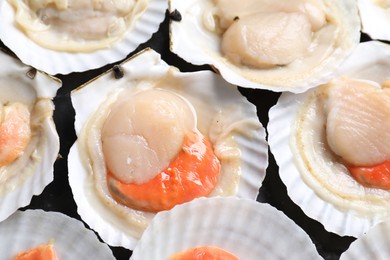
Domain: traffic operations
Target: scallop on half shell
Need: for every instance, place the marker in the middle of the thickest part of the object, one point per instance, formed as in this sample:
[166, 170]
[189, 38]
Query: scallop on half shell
[274, 45]
[318, 138]
[60, 37]
[245, 228]
[28, 137]
[70, 238]
[157, 104]
[375, 17]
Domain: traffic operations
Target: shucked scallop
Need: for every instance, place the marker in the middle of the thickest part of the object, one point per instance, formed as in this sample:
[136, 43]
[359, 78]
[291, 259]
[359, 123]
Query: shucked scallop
[29, 143]
[355, 118]
[76, 26]
[267, 34]
[228, 12]
[60, 37]
[334, 158]
[276, 45]
[357, 126]
[157, 138]
[144, 170]
[242, 43]
[126, 134]
[358, 119]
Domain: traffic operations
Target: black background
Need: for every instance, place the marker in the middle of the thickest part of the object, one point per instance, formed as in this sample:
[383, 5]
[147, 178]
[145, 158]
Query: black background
[57, 196]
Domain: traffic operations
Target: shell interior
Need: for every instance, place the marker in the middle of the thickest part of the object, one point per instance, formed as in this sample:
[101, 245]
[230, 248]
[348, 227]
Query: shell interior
[26, 229]
[211, 97]
[54, 62]
[30, 173]
[306, 72]
[332, 197]
[245, 228]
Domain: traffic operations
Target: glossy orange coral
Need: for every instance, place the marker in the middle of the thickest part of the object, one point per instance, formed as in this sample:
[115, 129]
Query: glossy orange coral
[15, 132]
[203, 253]
[192, 174]
[42, 252]
[377, 176]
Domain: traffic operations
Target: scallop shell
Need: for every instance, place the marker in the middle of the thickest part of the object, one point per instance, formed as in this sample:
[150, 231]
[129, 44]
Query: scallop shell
[375, 18]
[372, 245]
[19, 190]
[27, 229]
[370, 61]
[200, 88]
[245, 228]
[191, 41]
[54, 62]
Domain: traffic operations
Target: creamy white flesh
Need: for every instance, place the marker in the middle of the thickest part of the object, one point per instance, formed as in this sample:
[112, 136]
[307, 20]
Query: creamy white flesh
[268, 33]
[15, 132]
[284, 38]
[358, 121]
[222, 126]
[144, 133]
[318, 123]
[73, 25]
[18, 90]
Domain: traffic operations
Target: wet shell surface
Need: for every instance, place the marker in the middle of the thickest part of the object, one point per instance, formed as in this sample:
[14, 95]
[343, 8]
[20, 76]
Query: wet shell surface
[375, 17]
[372, 245]
[244, 228]
[64, 62]
[325, 191]
[223, 115]
[27, 229]
[29, 173]
[193, 40]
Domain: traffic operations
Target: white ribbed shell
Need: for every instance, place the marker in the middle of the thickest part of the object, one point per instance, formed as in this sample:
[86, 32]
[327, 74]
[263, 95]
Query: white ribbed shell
[193, 42]
[328, 193]
[248, 229]
[208, 93]
[54, 62]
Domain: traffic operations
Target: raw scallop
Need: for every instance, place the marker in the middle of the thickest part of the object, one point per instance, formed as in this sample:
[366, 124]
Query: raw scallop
[29, 140]
[218, 33]
[358, 119]
[317, 179]
[223, 116]
[126, 135]
[54, 62]
[76, 25]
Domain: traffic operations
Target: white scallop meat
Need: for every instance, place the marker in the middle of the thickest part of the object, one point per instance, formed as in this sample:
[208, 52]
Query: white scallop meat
[279, 46]
[316, 177]
[223, 115]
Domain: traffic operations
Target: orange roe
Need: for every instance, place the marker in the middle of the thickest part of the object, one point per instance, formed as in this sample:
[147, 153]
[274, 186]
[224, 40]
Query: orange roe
[377, 176]
[15, 133]
[42, 252]
[203, 253]
[192, 174]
